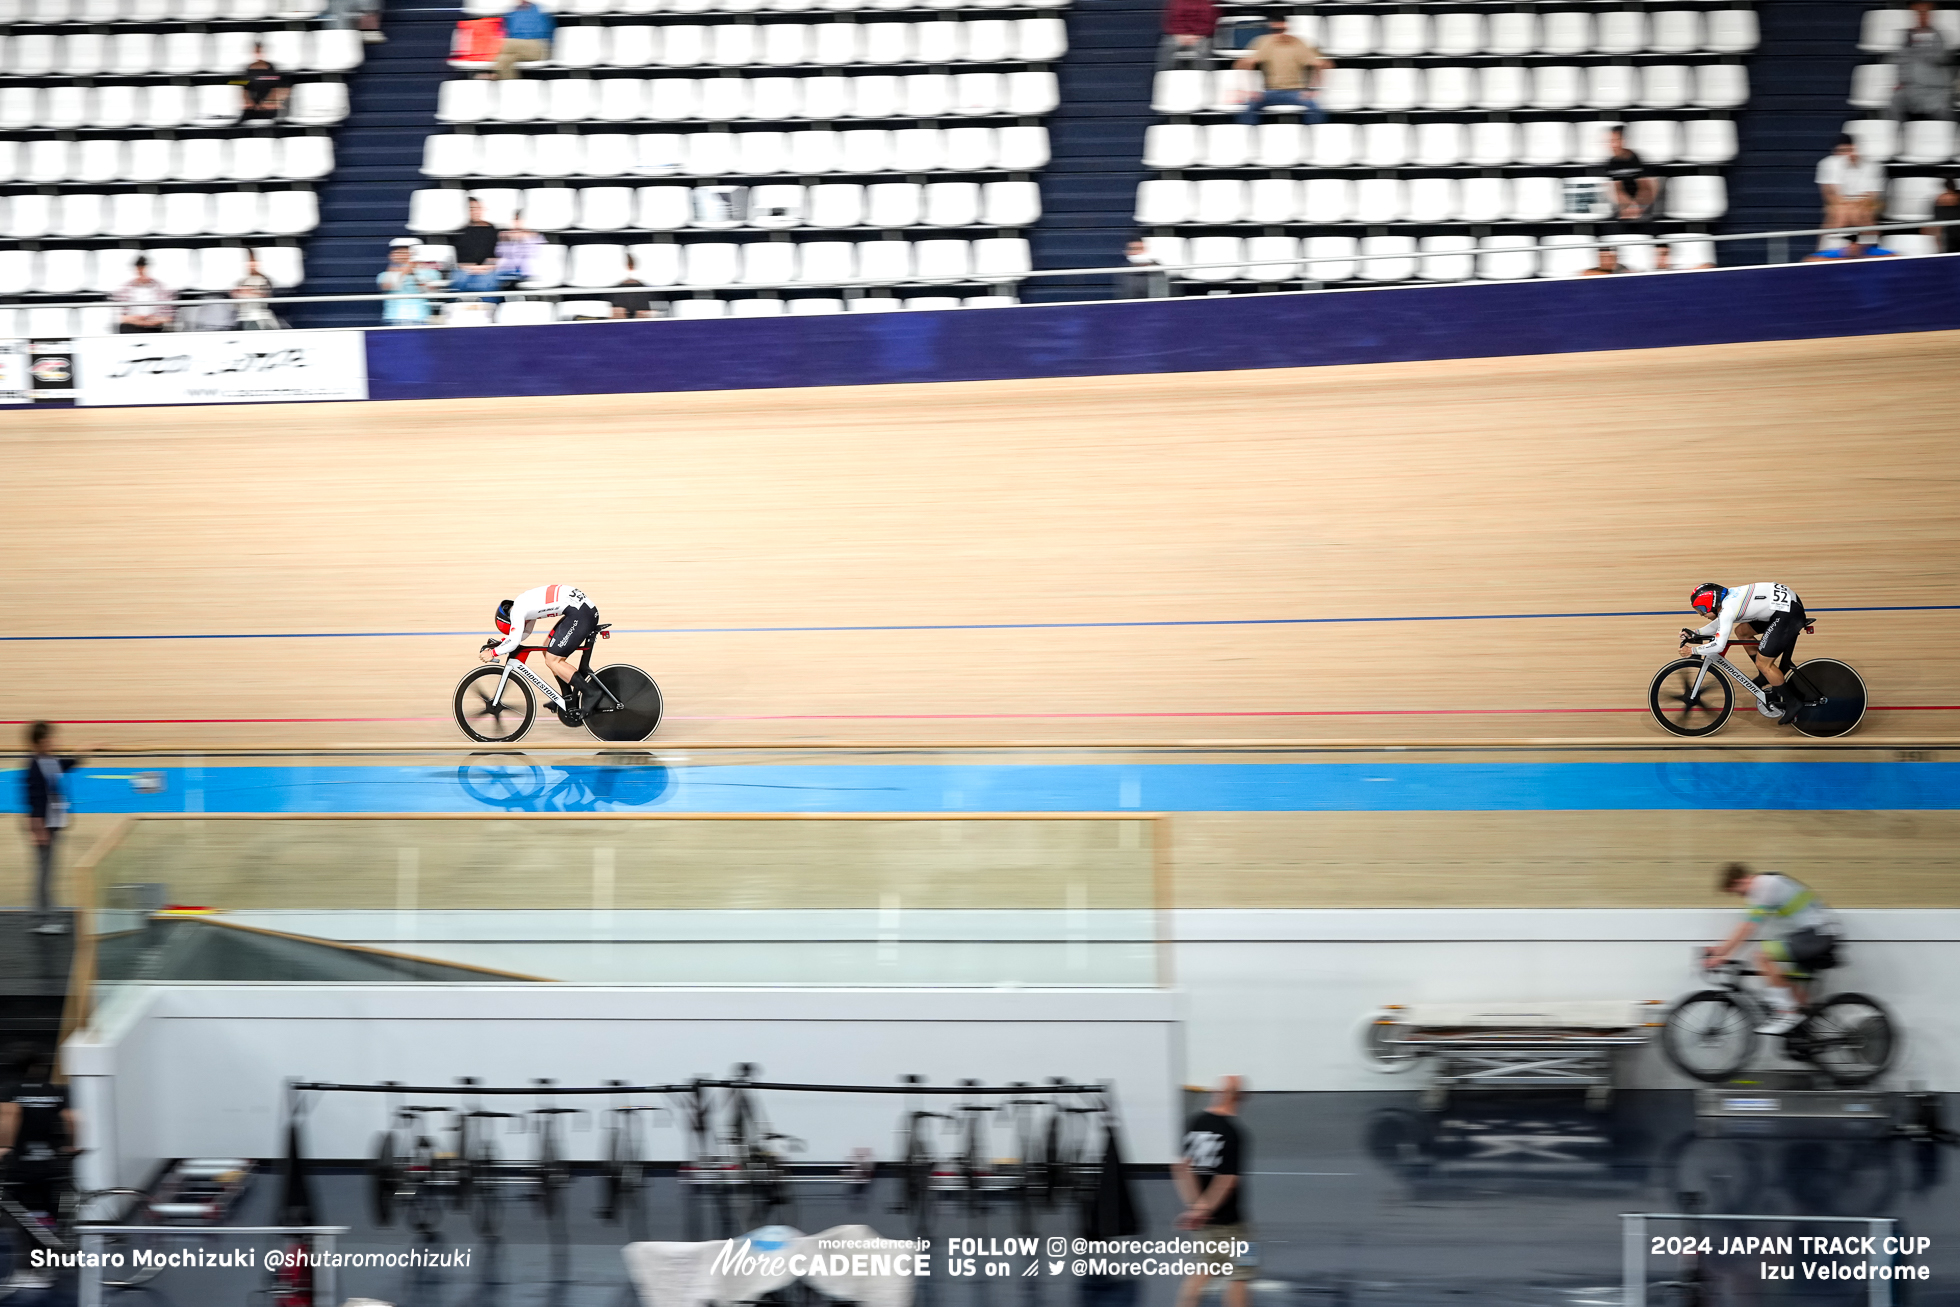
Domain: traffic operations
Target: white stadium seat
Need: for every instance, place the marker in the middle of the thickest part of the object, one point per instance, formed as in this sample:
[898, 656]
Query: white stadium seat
[1547, 143]
[1721, 86]
[895, 205]
[1217, 258]
[1492, 144]
[1731, 31]
[1333, 145]
[1666, 86]
[1171, 145]
[1328, 258]
[1696, 198]
[1556, 87]
[1162, 202]
[291, 213]
[1450, 88]
[1219, 200]
[1485, 199]
[432, 211]
[1926, 142]
[1279, 145]
[1611, 86]
[1433, 200]
[1566, 255]
[1379, 200]
[1447, 258]
[1511, 33]
[1908, 199]
[1387, 269]
[1536, 199]
[1878, 138]
[1676, 31]
[1326, 200]
[1272, 201]
[1272, 258]
[815, 306]
[1507, 258]
[1708, 140]
[1457, 34]
[1871, 86]
[1655, 140]
[1566, 32]
[1622, 31]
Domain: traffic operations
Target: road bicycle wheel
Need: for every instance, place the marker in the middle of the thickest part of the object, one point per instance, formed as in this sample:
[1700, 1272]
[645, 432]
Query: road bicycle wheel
[1710, 1035]
[1850, 1037]
[502, 722]
[1683, 710]
[1833, 697]
[637, 713]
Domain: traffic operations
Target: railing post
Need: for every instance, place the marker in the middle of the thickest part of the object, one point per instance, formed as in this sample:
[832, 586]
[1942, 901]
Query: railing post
[1633, 1260]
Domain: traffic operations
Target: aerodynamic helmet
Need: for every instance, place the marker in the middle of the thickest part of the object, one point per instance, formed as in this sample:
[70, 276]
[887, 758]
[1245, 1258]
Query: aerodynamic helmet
[503, 618]
[1707, 598]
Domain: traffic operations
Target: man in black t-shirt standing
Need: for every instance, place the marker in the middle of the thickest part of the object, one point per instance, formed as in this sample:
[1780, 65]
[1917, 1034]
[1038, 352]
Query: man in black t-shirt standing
[1210, 1178]
[37, 1133]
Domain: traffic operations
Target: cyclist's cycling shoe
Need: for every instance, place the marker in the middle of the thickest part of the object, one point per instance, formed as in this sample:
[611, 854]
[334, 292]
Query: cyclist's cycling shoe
[1780, 1021]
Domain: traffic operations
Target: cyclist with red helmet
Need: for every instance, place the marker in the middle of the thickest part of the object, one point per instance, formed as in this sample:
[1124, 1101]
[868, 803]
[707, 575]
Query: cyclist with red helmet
[1766, 612]
[578, 618]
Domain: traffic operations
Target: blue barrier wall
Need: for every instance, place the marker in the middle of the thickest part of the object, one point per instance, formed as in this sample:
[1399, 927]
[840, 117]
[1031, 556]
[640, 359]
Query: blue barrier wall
[1199, 334]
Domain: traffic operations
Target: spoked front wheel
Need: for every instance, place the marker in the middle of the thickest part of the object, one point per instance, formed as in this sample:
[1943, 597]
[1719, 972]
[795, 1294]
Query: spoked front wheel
[1832, 694]
[1850, 1037]
[630, 707]
[488, 716]
[1684, 707]
[1709, 1035]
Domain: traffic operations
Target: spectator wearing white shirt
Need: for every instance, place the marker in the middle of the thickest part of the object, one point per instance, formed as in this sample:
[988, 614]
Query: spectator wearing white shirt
[1852, 187]
[145, 302]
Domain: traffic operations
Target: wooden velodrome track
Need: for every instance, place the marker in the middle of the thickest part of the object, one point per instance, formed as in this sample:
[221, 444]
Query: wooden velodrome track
[1565, 484]
[1580, 483]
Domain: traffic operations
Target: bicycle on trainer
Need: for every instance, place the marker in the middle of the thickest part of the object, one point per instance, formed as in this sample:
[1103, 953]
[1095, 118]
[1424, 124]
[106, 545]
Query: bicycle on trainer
[625, 1164]
[480, 1173]
[918, 1164]
[1695, 695]
[407, 1172]
[554, 1173]
[1711, 1034]
[496, 703]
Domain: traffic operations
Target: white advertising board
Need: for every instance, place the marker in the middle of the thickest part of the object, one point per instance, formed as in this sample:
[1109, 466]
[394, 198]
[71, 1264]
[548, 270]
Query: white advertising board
[220, 367]
[14, 383]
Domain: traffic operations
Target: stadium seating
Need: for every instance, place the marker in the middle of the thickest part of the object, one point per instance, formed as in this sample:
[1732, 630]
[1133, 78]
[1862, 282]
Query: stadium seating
[1460, 143]
[105, 106]
[1919, 153]
[726, 153]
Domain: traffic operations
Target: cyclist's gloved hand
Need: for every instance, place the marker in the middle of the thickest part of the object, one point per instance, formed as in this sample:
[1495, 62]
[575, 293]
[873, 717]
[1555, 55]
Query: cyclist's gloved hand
[1694, 637]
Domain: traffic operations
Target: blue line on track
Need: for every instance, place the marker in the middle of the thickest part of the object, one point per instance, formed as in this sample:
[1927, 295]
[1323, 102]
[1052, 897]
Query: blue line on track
[1172, 787]
[961, 626]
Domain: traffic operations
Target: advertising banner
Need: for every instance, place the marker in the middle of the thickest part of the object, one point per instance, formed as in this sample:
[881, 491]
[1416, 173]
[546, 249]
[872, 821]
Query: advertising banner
[14, 383]
[241, 367]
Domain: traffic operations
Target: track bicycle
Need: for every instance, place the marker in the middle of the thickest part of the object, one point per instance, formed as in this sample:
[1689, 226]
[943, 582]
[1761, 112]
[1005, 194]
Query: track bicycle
[554, 1172]
[480, 1173]
[1711, 1034]
[756, 1151]
[918, 1163]
[496, 703]
[625, 1156]
[407, 1172]
[1694, 696]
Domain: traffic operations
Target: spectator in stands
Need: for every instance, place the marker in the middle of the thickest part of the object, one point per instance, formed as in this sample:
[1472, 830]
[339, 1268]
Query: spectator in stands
[1608, 264]
[527, 39]
[1189, 26]
[1925, 71]
[145, 302]
[476, 252]
[1852, 249]
[1634, 187]
[632, 299]
[411, 280]
[266, 89]
[1292, 70]
[1852, 187]
[250, 298]
[1946, 208]
[1147, 281]
[517, 250]
[362, 15]
[1664, 260]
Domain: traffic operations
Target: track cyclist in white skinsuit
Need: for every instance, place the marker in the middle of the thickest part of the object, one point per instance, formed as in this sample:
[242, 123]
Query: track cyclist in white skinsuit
[578, 618]
[1767, 612]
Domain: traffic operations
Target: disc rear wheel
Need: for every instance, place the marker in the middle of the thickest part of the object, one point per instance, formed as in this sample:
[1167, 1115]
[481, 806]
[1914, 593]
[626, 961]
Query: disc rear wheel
[1832, 694]
[630, 707]
[493, 718]
[1686, 707]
